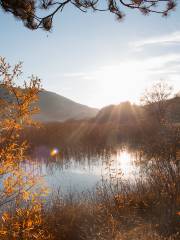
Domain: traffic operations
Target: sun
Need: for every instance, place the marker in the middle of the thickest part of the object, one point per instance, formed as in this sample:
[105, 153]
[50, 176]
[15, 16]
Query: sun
[122, 82]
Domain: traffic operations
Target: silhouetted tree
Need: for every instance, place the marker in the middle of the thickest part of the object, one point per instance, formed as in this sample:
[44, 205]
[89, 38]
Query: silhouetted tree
[155, 99]
[30, 11]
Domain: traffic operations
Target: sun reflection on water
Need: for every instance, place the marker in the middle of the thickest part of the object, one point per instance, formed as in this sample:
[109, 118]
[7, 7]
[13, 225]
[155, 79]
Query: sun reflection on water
[124, 160]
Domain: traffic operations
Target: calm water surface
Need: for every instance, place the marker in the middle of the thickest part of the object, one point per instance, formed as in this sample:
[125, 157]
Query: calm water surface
[85, 172]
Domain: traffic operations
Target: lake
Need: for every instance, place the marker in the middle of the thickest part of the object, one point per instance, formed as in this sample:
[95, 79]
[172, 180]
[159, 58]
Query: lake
[83, 171]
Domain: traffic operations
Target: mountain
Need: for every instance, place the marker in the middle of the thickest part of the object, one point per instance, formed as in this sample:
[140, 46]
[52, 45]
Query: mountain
[127, 113]
[54, 107]
[123, 113]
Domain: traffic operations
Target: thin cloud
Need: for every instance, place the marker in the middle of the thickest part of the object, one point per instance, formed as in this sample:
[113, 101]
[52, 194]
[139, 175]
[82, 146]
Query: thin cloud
[170, 39]
[159, 65]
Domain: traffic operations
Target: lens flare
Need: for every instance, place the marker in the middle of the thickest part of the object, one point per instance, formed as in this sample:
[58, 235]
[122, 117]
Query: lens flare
[54, 152]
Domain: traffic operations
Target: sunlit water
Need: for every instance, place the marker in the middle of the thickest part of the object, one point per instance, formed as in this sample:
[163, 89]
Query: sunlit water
[77, 175]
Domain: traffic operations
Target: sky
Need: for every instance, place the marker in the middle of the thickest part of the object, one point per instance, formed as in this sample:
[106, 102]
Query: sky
[93, 59]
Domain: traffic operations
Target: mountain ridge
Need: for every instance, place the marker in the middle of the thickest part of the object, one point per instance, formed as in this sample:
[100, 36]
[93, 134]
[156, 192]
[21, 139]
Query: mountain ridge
[57, 108]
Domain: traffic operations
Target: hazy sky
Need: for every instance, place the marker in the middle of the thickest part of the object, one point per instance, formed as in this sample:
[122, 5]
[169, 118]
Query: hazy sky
[93, 59]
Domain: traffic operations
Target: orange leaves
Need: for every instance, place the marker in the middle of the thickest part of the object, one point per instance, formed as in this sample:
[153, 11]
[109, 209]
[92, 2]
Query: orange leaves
[25, 195]
[18, 183]
[8, 186]
[24, 224]
[5, 216]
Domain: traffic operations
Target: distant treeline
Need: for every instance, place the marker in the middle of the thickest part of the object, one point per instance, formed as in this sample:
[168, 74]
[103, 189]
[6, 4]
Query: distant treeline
[112, 125]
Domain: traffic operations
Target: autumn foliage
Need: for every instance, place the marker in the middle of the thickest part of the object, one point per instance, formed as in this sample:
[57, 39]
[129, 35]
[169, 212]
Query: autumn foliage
[20, 205]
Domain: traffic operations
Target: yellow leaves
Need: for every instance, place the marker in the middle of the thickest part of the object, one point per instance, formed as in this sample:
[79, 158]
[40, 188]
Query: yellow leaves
[19, 212]
[29, 223]
[3, 232]
[8, 184]
[25, 195]
[5, 216]
[25, 224]
[26, 221]
[18, 181]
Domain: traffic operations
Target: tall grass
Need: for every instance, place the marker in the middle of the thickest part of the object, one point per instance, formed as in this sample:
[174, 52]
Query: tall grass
[146, 209]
